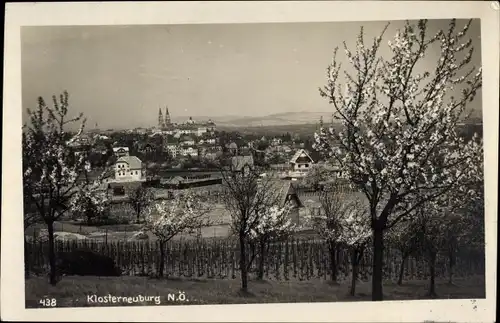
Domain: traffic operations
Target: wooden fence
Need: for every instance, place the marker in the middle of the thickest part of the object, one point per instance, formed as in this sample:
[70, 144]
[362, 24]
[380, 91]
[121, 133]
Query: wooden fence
[218, 258]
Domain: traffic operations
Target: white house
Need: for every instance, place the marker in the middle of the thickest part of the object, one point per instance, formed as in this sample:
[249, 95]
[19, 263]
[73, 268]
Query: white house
[121, 151]
[189, 150]
[173, 149]
[201, 131]
[128, 168]
[301, 161]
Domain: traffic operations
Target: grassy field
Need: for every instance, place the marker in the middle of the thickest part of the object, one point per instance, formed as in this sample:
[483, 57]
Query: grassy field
[73, 291]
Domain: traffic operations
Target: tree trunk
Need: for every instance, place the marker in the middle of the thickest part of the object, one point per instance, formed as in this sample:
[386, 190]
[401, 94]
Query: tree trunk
[52, 254]
[89, 218]
[451, 256]
[260, 274]
[27, 259]
[333, 261]
[378, 262]
[161, 266]
[243, 266]
[402, 268]
[432, 265]
[354, 264]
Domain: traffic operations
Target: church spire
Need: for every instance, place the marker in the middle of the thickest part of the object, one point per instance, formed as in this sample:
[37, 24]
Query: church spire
[160, 119]
[167, 117]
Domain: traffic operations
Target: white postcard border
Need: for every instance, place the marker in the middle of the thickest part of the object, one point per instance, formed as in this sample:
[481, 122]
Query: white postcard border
[127, 13]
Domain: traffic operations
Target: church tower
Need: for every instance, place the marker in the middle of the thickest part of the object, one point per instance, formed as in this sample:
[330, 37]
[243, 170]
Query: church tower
[160, 119]
[167, 118]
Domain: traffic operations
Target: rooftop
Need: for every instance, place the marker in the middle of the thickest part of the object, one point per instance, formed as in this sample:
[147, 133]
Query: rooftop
[132, 161]
[238, 162]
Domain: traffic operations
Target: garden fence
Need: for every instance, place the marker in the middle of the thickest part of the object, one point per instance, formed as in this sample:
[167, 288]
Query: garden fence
[219, 258]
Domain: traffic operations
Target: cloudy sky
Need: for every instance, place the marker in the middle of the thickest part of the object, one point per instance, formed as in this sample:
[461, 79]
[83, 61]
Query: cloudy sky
[119, 76]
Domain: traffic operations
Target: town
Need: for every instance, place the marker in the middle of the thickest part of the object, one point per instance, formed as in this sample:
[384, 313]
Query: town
[238, 185]
[190, 154]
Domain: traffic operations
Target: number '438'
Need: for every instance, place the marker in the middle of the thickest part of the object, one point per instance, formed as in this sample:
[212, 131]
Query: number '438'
[48, 302]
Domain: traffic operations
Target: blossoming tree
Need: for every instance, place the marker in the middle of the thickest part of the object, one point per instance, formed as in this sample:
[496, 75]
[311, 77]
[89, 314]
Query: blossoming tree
[186, 212]
[274, 224]
[140, 198]
[355, 233]
[90, 201]
[328, 223]
[244, 194]
[399, 143]
[403, 238]
[52, 174]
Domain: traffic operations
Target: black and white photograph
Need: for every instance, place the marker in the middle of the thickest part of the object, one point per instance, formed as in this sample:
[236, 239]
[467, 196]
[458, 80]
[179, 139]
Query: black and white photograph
[170, 165]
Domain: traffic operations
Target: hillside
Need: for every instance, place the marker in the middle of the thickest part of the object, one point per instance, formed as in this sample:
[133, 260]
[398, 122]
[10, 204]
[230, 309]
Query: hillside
[278, 119]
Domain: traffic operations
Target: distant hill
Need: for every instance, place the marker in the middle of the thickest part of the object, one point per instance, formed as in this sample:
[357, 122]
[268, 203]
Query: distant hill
[278, 119]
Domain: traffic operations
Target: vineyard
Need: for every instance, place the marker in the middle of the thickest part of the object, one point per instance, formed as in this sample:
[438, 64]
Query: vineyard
[299, 259]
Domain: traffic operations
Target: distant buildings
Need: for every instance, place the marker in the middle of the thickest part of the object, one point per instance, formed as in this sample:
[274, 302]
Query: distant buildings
[190, 127]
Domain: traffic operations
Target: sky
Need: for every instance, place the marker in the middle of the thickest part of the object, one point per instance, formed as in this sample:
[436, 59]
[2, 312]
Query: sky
[118, 76]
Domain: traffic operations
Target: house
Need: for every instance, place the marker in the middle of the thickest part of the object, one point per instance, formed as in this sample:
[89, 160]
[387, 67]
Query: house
[172, 149]
[148, 148]
[188, 151]
[276, 142]
[232, 148]
[287, 194]
[100, 148]
[187, 140]
[301, 161]
[242, 164]
[128, 168]
[121, 151]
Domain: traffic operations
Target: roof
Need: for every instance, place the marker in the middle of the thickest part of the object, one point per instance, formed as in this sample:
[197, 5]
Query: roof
[238, 162]
[132, 161]
[115, 149]
[301, 156]
[175, 180]
[285, 189]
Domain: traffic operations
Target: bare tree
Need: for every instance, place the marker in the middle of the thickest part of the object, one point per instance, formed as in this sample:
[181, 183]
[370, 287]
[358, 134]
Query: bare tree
[244, 194]
[399, 144]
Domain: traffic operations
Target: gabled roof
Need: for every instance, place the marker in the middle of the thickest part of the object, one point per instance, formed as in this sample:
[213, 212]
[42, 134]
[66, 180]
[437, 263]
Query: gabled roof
[238, 162]
[285, 189]
[132, 161]
[115, 149]
[301, 156]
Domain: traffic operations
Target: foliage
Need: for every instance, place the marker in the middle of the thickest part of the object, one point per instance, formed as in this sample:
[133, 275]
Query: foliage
[249, 198]
[52, 172]
[399, 143]
[317, 174]
[140, 198]
[186, 212]
[91, 201]
[274, 223]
